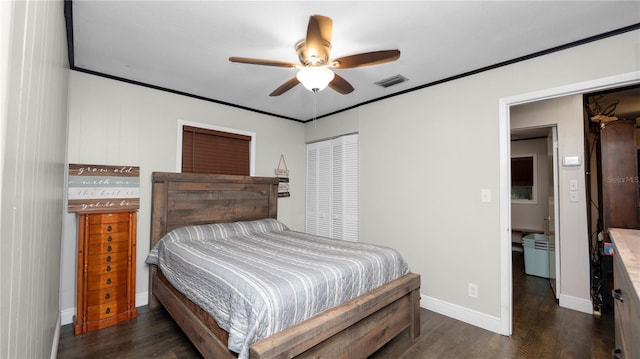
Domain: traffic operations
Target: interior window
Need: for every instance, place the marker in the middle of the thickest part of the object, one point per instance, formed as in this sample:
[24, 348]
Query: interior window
[523, 178]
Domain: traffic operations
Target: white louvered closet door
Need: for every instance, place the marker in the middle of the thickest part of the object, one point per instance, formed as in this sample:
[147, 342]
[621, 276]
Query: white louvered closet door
[336, 192]
[318, 214]
[323, 210]
[332, 188]
[350, 188]
[311, 223]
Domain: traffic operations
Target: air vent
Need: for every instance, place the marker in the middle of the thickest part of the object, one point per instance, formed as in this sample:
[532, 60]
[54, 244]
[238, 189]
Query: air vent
[393, 80]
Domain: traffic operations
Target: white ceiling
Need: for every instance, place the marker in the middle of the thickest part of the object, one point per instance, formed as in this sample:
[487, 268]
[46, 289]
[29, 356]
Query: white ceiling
[184, 46]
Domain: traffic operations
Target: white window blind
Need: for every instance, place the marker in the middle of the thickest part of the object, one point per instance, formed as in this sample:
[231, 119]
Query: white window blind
[332, 188]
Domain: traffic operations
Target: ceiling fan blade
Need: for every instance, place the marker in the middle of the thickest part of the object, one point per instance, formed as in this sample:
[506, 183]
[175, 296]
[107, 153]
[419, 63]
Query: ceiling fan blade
[340, 85]
[247, 60]
[323, 25]
[285, 87]
[318, 40]
[366, 59]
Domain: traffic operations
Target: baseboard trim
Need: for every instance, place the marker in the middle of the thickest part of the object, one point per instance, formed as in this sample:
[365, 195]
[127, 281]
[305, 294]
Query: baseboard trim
[142, 299]
[56, 338]
[454, 311]
[575, 303]
[66, 315]
[463, 314]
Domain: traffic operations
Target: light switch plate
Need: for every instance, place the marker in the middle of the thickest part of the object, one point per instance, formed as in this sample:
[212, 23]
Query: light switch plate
[573, 185]
[573, 196]
[485, 195]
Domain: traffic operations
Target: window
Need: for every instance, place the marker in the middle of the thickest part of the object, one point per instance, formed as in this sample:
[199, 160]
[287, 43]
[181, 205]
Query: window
[212, 151]
[332, 188]
[523, 179]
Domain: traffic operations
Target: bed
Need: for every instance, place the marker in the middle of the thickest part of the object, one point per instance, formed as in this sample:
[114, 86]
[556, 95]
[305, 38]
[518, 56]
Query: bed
[354, 329]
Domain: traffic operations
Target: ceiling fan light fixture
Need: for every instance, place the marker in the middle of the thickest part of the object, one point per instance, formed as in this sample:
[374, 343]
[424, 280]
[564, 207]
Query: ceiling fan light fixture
[314, 54]
[315, 78]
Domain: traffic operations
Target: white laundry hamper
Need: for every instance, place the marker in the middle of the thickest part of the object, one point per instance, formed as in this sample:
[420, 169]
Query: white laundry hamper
[536, 254]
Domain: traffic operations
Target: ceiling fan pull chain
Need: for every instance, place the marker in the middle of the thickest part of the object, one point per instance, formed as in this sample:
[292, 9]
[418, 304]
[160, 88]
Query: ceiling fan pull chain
[315, 107]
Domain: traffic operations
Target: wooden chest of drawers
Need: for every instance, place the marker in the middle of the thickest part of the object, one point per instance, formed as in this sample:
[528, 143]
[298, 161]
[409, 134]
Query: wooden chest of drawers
[106, 278]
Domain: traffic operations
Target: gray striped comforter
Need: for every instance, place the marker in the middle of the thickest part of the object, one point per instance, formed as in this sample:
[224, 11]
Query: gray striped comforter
[257, 278]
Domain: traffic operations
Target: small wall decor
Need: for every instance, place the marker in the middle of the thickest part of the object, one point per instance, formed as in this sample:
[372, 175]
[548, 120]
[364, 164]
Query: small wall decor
[282, 172]
[99, 188]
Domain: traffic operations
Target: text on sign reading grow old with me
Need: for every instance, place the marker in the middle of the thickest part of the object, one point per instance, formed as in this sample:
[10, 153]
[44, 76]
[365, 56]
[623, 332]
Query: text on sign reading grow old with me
[102, 188]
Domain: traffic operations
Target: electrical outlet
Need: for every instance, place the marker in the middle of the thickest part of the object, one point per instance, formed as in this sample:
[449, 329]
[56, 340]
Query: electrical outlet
[473, 290]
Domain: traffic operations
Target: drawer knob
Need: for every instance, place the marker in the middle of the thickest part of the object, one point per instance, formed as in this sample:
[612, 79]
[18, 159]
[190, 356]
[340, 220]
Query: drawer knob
[109, 248]
[109, 228]
[617, 295]
[108, 280]
[109, 238]
[107, 296]
[107, 311]
[108, 258]
[108, 268]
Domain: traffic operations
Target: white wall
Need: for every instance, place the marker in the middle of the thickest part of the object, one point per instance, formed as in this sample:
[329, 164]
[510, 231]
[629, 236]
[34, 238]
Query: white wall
[425, 156]
[116, 123]
[339, 124]
[530, 216]
[33, 125]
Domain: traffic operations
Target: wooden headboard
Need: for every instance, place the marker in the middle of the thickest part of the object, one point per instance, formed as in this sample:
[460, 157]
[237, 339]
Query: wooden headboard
[182, 199]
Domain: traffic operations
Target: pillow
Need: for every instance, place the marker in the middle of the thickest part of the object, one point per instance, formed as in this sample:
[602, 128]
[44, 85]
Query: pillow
[259, 226]
[214, 231]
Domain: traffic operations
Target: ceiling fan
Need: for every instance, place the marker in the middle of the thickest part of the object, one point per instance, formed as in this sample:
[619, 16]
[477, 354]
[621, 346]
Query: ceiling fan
[315, 62]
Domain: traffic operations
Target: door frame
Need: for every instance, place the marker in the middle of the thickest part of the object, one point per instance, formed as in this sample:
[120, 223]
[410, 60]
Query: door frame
[504, 104]
[554, 221]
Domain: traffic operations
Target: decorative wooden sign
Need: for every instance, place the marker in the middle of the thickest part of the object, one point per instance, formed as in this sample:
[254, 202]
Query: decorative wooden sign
[283, 175]
[283, 187]
[99, 188]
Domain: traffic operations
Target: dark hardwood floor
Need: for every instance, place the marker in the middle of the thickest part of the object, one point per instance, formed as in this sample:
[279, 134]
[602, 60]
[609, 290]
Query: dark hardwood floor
[541, 329]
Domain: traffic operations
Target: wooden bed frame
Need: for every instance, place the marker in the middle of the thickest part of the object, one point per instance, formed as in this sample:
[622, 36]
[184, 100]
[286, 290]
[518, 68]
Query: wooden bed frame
[354, 329]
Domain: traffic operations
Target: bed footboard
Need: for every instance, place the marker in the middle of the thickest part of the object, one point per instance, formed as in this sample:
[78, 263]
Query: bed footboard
[355, 329]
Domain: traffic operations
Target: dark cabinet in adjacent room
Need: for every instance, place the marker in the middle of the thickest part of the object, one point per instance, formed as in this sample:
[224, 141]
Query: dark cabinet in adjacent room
[619, 179]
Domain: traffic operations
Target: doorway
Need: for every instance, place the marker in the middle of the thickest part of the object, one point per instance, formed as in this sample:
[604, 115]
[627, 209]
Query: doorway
[534, 205]
[578, 284]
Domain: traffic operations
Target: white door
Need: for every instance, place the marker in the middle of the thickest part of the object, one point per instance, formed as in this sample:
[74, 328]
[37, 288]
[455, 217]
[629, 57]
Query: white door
[554, 231]
[318, 189]
[332, 188]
